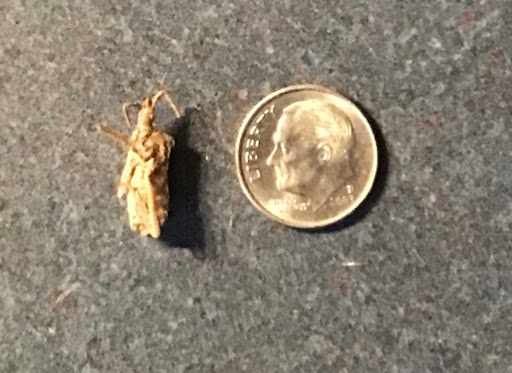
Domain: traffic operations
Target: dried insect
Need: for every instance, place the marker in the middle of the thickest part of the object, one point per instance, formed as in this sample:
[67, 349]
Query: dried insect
[144, 177]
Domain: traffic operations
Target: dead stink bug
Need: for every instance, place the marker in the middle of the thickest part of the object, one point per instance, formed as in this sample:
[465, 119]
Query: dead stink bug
[144, 177]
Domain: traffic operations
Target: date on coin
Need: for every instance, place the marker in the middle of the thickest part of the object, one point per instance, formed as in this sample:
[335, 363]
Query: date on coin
[306, 156]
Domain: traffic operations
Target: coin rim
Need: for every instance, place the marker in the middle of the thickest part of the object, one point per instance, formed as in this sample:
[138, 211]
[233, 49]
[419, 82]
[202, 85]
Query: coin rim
[243, 129]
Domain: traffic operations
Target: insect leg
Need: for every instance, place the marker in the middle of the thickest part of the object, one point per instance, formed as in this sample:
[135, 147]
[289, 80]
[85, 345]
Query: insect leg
[117, 137]
[126, 105]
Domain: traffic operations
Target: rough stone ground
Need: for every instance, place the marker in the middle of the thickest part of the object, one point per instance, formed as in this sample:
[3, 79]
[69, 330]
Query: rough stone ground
[228, 290]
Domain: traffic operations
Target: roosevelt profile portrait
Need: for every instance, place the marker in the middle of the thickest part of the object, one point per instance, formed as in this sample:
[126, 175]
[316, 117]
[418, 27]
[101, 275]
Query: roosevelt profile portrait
[312, 153]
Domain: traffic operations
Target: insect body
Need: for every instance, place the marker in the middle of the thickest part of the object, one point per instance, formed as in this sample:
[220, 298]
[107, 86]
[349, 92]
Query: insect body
[144, 177]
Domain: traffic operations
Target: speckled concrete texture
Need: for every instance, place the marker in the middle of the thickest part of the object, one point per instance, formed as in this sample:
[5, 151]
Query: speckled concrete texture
[226, 289]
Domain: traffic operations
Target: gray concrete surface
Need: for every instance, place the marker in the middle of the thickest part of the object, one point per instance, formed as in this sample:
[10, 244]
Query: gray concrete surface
[80, 293]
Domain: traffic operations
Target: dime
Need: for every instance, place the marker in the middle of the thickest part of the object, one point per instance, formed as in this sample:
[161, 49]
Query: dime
[306, 156]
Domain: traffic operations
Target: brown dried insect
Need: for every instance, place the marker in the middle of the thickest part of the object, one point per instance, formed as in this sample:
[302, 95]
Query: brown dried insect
[144, 177]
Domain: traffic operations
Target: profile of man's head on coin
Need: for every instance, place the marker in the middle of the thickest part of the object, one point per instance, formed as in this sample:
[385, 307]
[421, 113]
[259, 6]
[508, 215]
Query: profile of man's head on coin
[313, 145]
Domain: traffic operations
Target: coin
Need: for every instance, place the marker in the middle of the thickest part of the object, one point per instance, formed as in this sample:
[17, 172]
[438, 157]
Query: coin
[306, 156]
